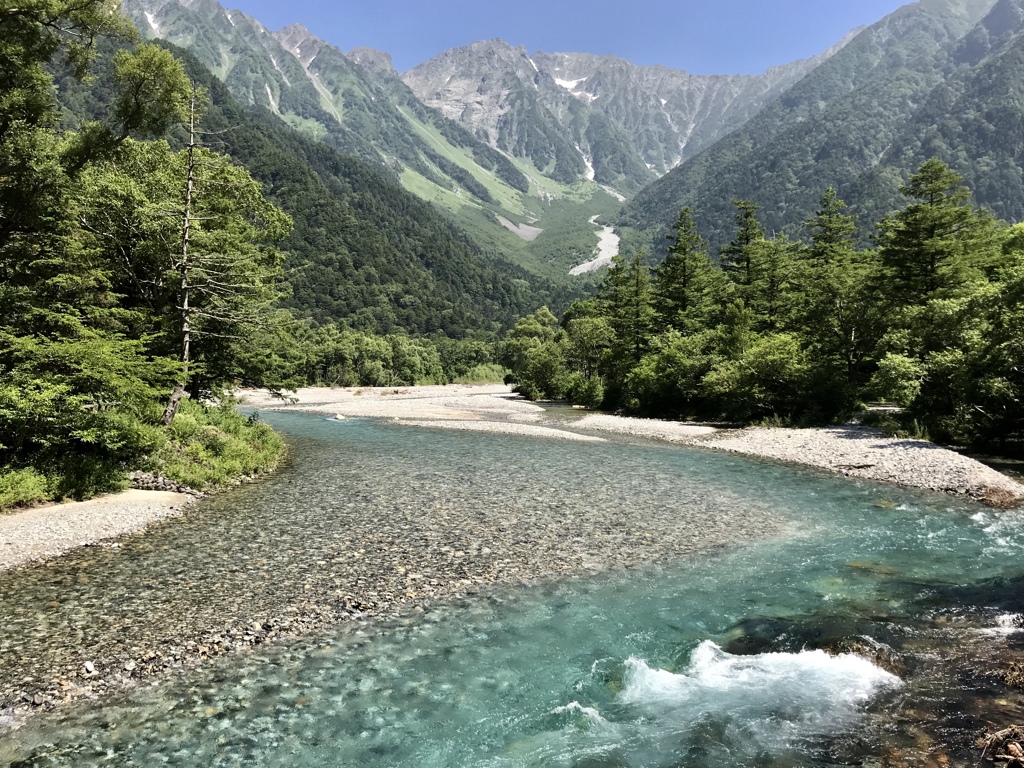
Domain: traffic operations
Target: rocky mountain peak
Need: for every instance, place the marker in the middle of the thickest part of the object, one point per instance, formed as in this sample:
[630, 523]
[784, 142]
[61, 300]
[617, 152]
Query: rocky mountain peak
[298, 40]
[654, 116]
[376, 61]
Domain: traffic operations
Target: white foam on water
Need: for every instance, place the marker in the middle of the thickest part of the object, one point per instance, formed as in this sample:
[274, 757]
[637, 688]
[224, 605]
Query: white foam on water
[730, 707]
[1004, 531]
[1006, 624]
[776, 699]
[577, 709]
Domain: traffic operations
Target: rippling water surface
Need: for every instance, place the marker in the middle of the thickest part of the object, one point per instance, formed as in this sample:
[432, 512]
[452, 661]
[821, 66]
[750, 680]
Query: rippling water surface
[805, 648]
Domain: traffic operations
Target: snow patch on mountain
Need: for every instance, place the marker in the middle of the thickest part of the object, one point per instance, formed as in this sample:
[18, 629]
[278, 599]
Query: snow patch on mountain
[570, 85]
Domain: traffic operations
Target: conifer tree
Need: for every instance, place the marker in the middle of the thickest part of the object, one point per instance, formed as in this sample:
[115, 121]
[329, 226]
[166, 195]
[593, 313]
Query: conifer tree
[769, 295]
[739, 258]
[629, 305]
[937, 243]
[686, 281]
[834, 312]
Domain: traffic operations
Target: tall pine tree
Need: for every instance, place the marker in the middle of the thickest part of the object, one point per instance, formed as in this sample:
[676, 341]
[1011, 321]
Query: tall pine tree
[939, 242]
[739, 258]
[835, 312]
[629, 306]
[686, 282]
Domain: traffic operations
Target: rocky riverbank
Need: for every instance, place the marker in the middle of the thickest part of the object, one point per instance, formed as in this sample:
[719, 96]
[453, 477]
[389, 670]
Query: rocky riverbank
[853, 451]
[46, 532]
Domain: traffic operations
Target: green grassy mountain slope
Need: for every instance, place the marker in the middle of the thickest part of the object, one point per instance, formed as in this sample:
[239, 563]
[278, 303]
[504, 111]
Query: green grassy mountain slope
[363, 250]
[356, 103]
[840, 123]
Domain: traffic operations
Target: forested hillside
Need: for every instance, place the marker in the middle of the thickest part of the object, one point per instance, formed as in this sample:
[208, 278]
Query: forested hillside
[974, 120]
[848, 124]
[788, 332]
[362, 251]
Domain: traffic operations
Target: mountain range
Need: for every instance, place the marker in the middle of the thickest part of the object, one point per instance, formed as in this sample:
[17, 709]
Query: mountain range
[937, 78]
[521, 151]
[528, 154]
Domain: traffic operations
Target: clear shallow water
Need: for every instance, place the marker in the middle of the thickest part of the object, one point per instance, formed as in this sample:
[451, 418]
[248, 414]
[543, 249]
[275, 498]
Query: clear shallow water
[709, 661]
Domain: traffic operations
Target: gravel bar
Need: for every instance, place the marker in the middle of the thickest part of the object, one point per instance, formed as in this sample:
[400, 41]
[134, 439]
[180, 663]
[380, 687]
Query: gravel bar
[853, 451]
[39, 534]
[503, 427]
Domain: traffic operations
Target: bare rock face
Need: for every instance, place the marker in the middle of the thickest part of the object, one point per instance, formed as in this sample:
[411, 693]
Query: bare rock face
[373, 60]
[662, 115]
[575, 116]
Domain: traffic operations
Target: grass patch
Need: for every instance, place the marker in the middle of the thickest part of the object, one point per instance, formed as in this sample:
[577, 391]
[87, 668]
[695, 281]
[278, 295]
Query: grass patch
[206, 448]
[487, 373]
[901, 426]
[209, 447]
[22, 488]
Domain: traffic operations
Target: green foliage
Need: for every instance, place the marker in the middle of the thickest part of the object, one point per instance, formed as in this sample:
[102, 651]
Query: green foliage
[789, 333]
[838, 309]
[90, 245]
[336, 356]
[22, 488]
[628, 303]
[768, 379]
[898, 379]
[486, 373]
[937, 243]
[669, 381]
[686, 284]
[209, 447]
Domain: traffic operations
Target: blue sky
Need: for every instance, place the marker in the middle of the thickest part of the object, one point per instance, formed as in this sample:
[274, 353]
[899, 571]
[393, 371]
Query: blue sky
[700, 36]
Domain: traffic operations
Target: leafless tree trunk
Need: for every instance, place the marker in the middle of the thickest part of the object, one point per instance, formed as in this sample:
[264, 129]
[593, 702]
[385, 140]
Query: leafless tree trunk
[183, 267]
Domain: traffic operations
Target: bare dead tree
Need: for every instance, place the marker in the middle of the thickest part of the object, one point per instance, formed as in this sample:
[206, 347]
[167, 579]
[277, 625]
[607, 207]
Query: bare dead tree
[184, 267]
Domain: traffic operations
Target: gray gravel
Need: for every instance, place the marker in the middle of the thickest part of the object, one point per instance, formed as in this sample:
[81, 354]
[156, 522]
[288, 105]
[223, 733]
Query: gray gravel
[38, 534]
[865, 452]
[853, 451]
[503, 427]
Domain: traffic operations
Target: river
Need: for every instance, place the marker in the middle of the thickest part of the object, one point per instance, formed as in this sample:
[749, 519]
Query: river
[727, 612]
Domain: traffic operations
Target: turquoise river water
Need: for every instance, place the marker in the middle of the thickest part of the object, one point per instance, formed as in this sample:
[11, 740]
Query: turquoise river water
[869, 633]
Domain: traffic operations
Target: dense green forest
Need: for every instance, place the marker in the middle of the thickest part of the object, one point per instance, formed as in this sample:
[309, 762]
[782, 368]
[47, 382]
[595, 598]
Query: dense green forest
[782, 331]
[130, 272]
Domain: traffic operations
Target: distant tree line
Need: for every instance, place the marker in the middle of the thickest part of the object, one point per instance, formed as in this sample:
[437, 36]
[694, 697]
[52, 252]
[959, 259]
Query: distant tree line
[775, 330]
